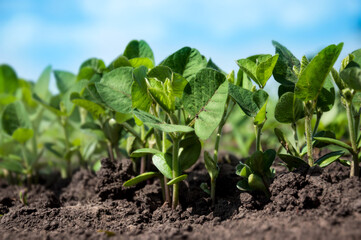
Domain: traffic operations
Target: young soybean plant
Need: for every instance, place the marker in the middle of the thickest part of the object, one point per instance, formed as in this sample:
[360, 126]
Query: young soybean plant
[290, 109]
[256, 171]
[348, 81]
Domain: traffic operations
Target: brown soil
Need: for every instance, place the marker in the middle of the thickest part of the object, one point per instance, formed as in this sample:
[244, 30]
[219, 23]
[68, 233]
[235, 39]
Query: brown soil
[309, 204]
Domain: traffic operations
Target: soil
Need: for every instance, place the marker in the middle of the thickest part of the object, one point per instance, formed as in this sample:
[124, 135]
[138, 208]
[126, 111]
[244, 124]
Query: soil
[306, 204]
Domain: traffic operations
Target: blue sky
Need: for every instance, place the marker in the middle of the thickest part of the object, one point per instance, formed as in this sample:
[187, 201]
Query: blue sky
[63, 34]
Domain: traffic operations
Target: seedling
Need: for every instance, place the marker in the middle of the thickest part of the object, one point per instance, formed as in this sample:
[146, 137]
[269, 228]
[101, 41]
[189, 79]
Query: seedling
[348, 80]
[23, 196]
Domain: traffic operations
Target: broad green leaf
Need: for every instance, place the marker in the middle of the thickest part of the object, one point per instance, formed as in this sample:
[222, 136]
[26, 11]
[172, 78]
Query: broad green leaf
[177, 179]
[178, 85]
[346, 61]
[186, 61]
[326, 98]
[123, 117]
[11, 165]
[66, 102]
[264, 70]
[152, 121]
[162, 93]
[13, 117]
[95, 109]
[243, 80]
[161, 73]
[190, 149]
[64, 80]
[286, 144]
[283, 70]
[8, 79]
[137, 62]
[22, 135]
[115, 89]
[41, 87]
[144, 151]
[357, 56]
[256, 163]
[140, 178]
[120, 61]
[163, 163]
[211, 64]
[211, 165]
[268, 158]
[293, 161]
[136, 49]
[312, 78]
[352, 76]
[282, 89]
[140, 96]
[6, 99]
[249, 67]
[329, 158]
[204, 98]
[243, 170]
[289, 109]
[334, 142]
[96, 64]
[244, 99]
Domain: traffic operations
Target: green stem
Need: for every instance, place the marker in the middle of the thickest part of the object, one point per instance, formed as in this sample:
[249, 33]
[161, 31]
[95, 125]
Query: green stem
[308, 129]
[318, 119]
[129, 129]
[258, 128]
[175, 167]
[295, 135]
[354, 164]
[166, 187]
[27, 165]
[118, 153]
[110, 151]
[213, 191]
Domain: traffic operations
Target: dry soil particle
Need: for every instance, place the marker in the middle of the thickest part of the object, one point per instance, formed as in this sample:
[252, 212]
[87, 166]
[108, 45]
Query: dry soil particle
[308, 204]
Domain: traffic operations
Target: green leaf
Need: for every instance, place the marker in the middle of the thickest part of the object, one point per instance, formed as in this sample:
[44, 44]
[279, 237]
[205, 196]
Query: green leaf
[95, 109]
[264, 70]
[243, 81]
[52, 109]
[137, 49]
[140, 96]
[186, 62]
[329, 158]
[22, 135]
[282, 89]
[120, 61]
[161, 73]
[8, 79]
[41, 87]
[293, 161]
[204, 98]
[260, 97]
[334, 142]
[190, 150]
[243, 185]
[268, 158]
[115, 89]
[152, 121]
[326, 98]
[11, 165]
[140, 178]
[243, 170]
[205, 188]
[289, 109]
[346, 61]
[177, 179]
[249, 67]
[256, 163]
[143, 152]
[178, 85]
[162, 93]
[97, 65]
[336, 78]
[211, 64]
[312, 78]
[211, 165]
[14, 116]
[141, 61]
[163, 163]
[64, 80]
[352, 76]
[283, 70]
[244, 99]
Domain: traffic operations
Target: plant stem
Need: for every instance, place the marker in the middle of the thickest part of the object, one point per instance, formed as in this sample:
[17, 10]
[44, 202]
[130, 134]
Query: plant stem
[118, 153]
[308, 130]
[175, 167]
[129, 129]
[354, 164]
[213, 191]
[143, 160]
[27, 165]
[166, 187]
[318, 119]
[110, 151]
[258, 128]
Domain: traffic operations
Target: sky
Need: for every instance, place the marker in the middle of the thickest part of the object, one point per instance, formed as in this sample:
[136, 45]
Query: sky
[35, 34]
